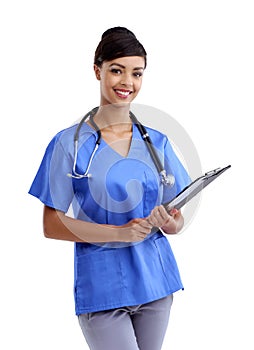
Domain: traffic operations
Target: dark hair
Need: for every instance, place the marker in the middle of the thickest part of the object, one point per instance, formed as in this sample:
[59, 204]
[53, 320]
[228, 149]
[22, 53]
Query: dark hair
[118, 42]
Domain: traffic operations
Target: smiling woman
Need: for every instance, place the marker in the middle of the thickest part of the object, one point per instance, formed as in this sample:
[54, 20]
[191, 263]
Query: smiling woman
[120, 59]
[127, 74]
[121, 79]
[123, 296]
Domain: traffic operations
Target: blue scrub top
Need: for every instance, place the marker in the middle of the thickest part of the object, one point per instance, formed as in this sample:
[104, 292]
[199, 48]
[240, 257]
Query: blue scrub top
[120, 188]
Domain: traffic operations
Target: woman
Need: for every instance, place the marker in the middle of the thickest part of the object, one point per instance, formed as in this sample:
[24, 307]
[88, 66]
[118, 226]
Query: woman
[125, 271]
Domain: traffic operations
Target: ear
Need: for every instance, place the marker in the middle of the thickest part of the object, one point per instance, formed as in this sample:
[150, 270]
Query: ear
[97, 72]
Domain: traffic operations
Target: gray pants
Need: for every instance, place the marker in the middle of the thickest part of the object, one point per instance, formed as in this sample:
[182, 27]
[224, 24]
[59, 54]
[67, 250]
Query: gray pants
[140, 327]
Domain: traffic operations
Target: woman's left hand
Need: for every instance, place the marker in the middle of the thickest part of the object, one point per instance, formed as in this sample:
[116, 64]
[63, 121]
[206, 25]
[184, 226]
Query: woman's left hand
[171, 222]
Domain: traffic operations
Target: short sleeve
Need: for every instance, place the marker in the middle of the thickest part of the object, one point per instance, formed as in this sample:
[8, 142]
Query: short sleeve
[51, 185]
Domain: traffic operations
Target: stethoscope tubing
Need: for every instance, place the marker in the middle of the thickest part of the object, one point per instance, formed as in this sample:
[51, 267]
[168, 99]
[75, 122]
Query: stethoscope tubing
[166, 179]
[88, 115]
[148, 142]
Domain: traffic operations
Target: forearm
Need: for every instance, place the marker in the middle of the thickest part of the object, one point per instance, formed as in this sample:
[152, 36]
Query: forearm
[57, 225]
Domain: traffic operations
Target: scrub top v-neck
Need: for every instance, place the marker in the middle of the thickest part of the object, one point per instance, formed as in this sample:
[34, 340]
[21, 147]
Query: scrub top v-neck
[120, 189]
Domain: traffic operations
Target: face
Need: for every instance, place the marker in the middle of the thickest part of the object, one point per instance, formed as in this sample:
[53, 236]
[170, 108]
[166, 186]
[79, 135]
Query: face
[120, 79]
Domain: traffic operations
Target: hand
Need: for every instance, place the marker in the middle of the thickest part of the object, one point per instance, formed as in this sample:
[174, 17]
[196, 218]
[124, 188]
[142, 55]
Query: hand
[171, 222]
[135, 230]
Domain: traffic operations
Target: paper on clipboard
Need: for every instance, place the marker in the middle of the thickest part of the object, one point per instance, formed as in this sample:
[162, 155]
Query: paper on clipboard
[194, 188]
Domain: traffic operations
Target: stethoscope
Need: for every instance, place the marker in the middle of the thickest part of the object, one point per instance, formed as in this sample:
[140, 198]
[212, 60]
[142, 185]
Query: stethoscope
[166, 179]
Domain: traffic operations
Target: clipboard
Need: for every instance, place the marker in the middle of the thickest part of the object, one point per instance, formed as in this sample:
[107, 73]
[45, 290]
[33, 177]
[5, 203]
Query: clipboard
[194, 188]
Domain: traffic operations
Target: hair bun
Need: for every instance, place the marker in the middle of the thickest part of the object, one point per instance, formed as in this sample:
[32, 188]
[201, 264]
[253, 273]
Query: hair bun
[118, 42]
[119, 30]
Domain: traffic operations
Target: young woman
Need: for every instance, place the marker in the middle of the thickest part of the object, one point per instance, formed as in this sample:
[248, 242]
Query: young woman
[103, 168]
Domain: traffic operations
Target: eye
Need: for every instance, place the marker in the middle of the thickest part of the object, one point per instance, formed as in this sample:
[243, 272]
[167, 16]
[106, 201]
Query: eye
[138, 74]
[116, 71]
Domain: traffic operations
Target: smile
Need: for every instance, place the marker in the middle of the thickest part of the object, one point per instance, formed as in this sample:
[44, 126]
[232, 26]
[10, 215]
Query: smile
[123, 93]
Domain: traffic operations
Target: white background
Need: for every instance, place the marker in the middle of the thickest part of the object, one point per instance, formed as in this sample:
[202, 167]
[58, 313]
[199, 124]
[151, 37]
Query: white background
[200, 71]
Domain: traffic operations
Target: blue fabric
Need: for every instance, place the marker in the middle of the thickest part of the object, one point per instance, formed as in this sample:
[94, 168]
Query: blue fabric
[120, 189]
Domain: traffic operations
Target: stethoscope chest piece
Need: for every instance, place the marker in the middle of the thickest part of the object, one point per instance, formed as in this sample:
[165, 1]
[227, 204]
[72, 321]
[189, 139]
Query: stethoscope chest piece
[167, 179]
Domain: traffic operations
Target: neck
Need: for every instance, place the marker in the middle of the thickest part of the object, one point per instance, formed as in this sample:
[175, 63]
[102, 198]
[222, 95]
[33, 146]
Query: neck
[113, 117]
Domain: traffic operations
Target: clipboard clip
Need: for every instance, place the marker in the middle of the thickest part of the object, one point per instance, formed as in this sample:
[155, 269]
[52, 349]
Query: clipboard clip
[212, 172]
[194, 188]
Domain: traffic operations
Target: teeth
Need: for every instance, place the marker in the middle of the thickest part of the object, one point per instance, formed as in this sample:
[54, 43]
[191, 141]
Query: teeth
[124, 93]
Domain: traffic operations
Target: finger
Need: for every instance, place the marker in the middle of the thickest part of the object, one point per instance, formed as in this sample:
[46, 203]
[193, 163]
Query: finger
[158, 213]
[141, 235]
[163, 212]
[174, 213]
[155, 215]
[154, 221]
[145, 228]
[142, 221]
[159, 216]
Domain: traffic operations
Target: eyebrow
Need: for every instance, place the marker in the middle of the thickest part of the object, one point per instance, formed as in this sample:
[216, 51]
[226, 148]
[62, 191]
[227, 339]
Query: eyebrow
[121, 66]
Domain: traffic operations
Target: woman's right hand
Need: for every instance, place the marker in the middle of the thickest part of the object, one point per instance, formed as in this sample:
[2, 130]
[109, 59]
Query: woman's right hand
[57, 225]
[135, 230]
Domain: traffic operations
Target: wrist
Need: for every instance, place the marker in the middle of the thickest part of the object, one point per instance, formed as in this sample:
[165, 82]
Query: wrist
[112, 233]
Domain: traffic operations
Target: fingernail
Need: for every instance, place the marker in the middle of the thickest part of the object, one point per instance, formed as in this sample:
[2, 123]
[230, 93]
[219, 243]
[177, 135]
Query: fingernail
[173, 211]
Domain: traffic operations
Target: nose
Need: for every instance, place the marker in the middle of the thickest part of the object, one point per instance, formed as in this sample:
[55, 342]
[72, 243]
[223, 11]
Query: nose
[127, 80]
